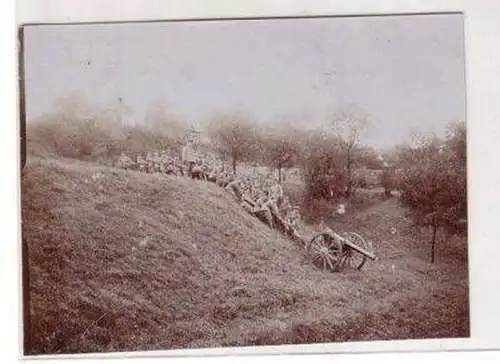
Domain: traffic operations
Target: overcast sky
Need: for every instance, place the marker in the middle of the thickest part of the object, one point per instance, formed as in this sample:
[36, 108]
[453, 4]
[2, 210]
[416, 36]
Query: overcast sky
[406, 72]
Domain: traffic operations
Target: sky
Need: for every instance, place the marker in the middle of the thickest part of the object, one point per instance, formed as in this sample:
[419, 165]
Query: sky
[406, 72]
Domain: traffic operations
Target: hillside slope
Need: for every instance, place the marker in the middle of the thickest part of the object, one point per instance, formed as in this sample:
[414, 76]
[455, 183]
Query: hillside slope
[124, 261]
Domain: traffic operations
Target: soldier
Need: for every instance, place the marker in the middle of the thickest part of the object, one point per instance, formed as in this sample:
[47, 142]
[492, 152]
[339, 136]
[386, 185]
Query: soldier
[225, 179]
[167, 164]
[277, 193]
[266, 183]
[273, 206]
[169, 168]
[179, 167]
[213, 172]
[141, 163]
[245, 189]
[293, 218]
[149, 162]
[246, 199]
[156, 162]
[120, 163]
[265, 215]
[247, 207]
[250, 187]
[188, 156]
[164, 160]
[220, 178]
[197, 171]
[125, 161]
[235, 186]
[285, 207]
[262, 210]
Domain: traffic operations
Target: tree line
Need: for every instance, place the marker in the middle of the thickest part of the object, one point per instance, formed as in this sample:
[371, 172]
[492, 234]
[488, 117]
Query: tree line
[430, 173]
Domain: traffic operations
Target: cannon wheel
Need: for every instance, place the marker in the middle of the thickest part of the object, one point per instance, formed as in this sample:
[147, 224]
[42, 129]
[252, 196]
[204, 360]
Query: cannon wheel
[326, 252]
[353, 258]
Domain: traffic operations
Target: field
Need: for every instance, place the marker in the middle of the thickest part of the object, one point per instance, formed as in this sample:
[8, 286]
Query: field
[124, 261]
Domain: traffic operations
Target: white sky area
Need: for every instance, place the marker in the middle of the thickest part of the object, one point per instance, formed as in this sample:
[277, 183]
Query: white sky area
[406, 72]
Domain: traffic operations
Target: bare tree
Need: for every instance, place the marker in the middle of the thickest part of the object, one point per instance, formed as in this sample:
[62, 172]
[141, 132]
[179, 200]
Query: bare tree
[281, 146]
[348, 125]
[163, 120]
[234, 136]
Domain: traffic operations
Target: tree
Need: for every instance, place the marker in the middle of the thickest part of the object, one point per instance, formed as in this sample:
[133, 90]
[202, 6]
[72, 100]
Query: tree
[73, 105]
[72, 130]
[322, 165]
[348, 125]
[234, 136]
[455, 152]
[368, 157]
[281, 146]
[163, 122]
[433, 182]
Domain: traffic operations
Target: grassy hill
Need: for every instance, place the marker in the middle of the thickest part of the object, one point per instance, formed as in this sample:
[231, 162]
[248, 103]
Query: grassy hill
[124, 261]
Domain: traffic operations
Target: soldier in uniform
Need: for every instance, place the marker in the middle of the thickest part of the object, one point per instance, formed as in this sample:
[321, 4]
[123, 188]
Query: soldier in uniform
[197, 171]
[169, 168]
[164, 161]
[156, 162]
[235, 186]
[220, 178]
[277, 193]
[262, 209]
[273, 206]
[248, 203]
[120, 163]
[213, 173]
[149, 162]
[141, 163]
[294, 218]
[125, 161]
[247, 207]
[189, 157]
[285, 207]
[224, 179]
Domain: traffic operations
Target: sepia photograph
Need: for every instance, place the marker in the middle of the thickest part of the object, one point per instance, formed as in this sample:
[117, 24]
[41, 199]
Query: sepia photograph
[191, 184]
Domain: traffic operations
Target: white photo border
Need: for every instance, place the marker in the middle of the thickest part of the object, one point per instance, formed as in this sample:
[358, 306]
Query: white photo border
[482, 69]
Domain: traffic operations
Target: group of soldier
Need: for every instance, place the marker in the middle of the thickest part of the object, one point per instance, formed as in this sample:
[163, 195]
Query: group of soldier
[152, 162]
[260, 195]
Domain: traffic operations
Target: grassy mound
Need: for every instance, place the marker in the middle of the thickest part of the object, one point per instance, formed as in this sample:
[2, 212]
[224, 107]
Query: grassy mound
[124, 261]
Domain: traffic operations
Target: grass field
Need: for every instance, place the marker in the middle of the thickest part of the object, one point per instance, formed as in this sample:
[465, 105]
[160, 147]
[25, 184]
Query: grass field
[124, 261]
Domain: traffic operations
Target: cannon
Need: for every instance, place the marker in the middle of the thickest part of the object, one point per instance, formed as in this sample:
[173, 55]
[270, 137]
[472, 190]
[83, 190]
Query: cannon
[334, 252]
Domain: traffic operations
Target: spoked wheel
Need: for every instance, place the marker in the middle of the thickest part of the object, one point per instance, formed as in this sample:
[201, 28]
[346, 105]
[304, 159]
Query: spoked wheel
[352, 258]
[326, 252]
